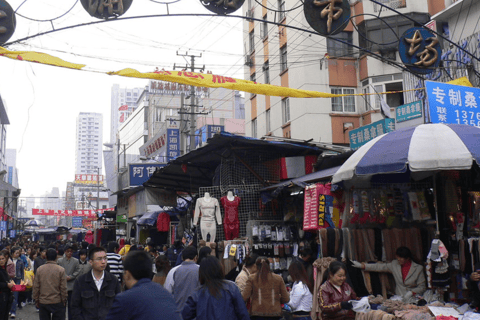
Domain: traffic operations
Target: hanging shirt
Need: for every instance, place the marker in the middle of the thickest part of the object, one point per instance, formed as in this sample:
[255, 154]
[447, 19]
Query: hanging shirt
[406, 268]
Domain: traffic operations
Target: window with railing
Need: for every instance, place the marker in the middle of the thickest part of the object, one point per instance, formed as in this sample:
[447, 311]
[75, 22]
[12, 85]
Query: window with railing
[394, 4]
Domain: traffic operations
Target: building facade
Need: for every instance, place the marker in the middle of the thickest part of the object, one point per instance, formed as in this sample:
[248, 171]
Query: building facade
[123, 103]
[88, 144]
[297, 59]
[12, 171]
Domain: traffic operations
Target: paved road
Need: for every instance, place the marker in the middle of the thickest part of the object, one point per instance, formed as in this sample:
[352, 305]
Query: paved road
[29, 312]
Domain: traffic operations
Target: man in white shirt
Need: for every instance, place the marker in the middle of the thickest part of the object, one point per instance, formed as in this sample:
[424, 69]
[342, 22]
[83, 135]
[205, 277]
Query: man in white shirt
[94, 292]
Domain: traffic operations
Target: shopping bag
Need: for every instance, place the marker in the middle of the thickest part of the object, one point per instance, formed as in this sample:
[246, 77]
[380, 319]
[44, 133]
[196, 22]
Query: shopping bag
[29, 277]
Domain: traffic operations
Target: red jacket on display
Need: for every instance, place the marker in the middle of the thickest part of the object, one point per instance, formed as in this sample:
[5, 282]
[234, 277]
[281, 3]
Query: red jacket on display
[163, 222]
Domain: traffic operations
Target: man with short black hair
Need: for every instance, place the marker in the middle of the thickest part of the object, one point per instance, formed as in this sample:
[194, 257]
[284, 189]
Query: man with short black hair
[145, 300]
[114, 260]
[40, 260]
[50, 289]
[72, 269]
[94, 292]
[185, 278]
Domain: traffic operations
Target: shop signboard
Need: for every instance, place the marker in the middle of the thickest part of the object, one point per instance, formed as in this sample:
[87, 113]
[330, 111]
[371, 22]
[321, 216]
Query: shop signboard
[89, 179]
[408, 111]
[13, 233]
[77, 222]
[132, 206]
[310, 213]
[3, 225]
[360, 136]
[450, 103]
[139, 173]
[10, 225]
[173, 144]
[69, 213]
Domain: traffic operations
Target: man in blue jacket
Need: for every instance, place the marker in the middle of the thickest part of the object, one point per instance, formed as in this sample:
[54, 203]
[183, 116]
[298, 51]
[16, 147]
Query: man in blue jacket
[94, 291]
[144, 299]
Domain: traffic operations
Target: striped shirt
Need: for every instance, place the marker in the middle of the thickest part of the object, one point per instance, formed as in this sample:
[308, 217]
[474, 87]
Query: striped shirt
[114, 261]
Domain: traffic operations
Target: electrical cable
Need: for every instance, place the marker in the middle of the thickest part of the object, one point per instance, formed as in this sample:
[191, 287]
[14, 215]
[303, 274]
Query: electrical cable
[283, 11]
[167, 3]
[466, 18]
[45, 20]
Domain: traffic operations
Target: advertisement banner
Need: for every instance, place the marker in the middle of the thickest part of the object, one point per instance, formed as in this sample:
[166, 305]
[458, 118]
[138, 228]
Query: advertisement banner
[310, 212]
[89, 179]
[360, 136]
[139, 173]
[409, 111]
[69, 213]
[77, 222]
[122, 218]
[13, 233]
[450, 103]
[155, 144]
[3, 225]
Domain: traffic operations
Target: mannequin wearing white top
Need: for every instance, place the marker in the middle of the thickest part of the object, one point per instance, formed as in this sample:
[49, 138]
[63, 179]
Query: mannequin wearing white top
[210, 209]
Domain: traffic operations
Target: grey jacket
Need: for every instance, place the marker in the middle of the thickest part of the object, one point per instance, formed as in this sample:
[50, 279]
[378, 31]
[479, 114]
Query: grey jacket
[185, 282]
[415, 280]
[72, 270]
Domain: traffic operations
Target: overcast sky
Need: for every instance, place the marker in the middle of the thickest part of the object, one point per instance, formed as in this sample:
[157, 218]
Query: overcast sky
[43, 101]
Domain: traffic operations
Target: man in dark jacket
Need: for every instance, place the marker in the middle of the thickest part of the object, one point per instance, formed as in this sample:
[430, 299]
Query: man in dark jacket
[94, 292]
[144, 299]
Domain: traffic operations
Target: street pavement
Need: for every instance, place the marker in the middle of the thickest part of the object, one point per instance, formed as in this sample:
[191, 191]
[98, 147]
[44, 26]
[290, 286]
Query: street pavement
[29, 312]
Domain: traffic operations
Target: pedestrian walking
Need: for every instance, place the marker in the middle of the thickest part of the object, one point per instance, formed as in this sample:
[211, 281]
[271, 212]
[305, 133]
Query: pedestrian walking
[50, 289]
[114, 260]
[144, 299]
[217, 298]
[94, 291]
[72, 269]
[6, 285]
[19, 268]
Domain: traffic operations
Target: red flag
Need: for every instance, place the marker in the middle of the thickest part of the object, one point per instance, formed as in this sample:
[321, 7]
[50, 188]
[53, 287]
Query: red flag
[123, 108]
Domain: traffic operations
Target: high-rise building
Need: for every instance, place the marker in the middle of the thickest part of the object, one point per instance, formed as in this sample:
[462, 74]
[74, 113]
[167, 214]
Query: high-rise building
[123, 103]
[88, 151]
[12, 171]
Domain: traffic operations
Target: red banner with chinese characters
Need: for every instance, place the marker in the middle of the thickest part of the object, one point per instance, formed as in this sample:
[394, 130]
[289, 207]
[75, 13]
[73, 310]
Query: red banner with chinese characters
[310, 211]
[69, 213]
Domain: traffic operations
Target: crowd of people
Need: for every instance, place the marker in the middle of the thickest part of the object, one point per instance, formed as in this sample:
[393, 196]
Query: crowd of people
[128, 281]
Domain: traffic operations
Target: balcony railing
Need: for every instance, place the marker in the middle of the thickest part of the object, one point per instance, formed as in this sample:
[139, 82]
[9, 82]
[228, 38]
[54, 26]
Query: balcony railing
[394, 4]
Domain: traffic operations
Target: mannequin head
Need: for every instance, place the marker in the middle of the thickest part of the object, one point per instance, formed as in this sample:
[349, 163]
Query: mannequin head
[206, 195]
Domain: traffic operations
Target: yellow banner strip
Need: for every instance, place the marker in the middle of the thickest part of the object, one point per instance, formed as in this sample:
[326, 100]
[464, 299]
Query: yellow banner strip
[187, 78]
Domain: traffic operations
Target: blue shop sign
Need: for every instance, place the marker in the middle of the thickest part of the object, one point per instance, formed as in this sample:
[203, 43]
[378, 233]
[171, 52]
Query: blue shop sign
[13, 233]
[10, 225]
[3, 225]
[420, 50]
[358, 137]
[450, 103]
[77, 222]
[141, 172]
[173, 144]
[409, 111]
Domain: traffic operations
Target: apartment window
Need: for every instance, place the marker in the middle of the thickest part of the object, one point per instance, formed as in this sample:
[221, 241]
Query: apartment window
[251, 38]
[283, 58]
[254, 128]
[253, 77]
[264, 28]
[267, 121]
[286, 110]
[340, 49]
[281, 9]
[266, 72]
[343, 104]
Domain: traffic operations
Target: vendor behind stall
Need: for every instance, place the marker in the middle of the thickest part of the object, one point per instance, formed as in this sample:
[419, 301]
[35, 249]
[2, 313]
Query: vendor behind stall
[335, 294]
[474, 286]
[408, 275]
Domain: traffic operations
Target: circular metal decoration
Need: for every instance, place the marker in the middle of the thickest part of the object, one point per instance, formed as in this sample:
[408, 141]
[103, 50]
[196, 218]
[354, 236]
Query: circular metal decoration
[7, 21]
[327, 17]
[222, 6]
[420, 50]
[106, 9]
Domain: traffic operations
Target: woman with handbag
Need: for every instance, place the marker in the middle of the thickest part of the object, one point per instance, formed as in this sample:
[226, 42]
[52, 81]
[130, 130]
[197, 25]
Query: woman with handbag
[6, 284]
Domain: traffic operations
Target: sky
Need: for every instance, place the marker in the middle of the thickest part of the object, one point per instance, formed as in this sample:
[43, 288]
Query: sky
[43, 101]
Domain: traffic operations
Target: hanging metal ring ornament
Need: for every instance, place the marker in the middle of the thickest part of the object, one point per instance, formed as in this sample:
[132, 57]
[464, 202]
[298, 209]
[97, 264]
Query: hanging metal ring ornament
[327, 17]
[7, 21]
[222, 7]
[106, 9]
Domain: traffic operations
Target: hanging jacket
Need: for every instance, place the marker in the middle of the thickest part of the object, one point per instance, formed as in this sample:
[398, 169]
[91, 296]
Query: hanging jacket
[163, 222]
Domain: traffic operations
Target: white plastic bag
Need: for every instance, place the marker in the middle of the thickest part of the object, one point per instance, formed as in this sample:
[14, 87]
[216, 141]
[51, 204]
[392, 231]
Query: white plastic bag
[361, 305]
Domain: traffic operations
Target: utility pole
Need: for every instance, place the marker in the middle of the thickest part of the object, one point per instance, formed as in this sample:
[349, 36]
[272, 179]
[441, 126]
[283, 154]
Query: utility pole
[98, 189]
[193, 104]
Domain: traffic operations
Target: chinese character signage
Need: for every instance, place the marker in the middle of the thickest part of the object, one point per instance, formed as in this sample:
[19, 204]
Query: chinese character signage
[69, 213]
[155, 144]
[327, 17]
[420, 50]
[449, 103]
[13, 233]
[77, 222]
[173, 144]
[3, 225]
[409, 111]
[310, 211]
[141, 172]
[88, 179]
[360, 136]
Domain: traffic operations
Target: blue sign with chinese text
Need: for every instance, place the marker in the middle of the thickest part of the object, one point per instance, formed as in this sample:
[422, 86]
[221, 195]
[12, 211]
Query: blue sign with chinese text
[358, 137]
[408, 111]
[173, 144]
[141, 172]
[13, 233]
[420, 50]
[3, 225]
[77, 222]
[450, 103]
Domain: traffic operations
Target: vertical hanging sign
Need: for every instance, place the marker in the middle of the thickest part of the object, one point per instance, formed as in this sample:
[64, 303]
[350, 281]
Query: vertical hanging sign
[310, 213]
